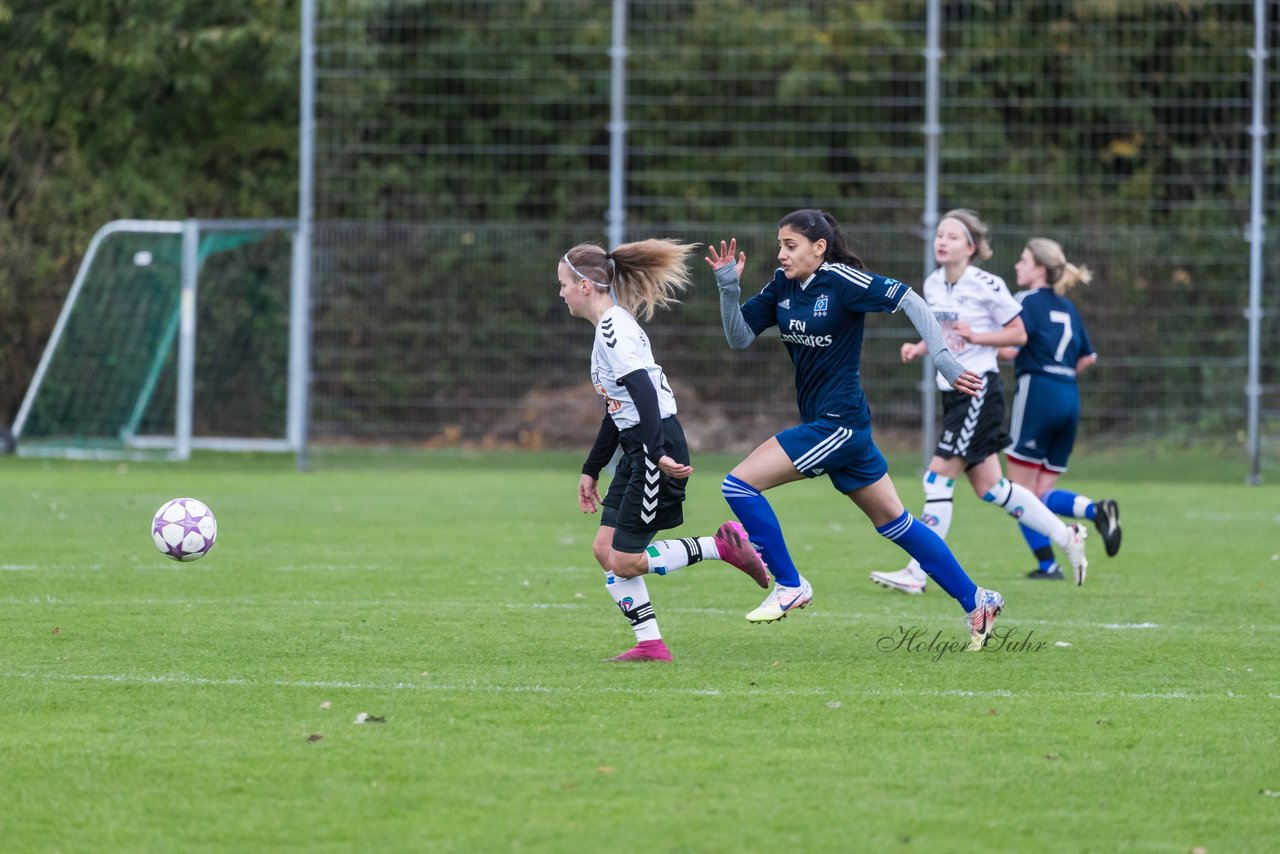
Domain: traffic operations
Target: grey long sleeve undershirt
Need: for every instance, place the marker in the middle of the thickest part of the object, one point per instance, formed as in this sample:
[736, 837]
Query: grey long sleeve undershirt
[736, 330]
[740, 336]
[927, 325]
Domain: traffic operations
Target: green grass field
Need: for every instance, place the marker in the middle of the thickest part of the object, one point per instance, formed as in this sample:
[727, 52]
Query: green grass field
[154, 706]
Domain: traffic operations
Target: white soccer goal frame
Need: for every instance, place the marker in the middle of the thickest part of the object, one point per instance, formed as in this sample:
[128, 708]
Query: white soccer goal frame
[180, 445]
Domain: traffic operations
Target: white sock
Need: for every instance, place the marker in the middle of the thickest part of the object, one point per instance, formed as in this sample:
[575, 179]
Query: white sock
[939, 490]
[938, 493]
[632, 598]
[1022, 504]
[669, 555]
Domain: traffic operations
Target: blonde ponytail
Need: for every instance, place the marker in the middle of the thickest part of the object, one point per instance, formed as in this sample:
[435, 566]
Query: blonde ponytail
[1058, 271]
[643, 275]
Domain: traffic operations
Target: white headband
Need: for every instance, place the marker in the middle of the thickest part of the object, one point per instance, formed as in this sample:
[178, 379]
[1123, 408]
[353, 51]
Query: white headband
[572, 269]
[967, 233]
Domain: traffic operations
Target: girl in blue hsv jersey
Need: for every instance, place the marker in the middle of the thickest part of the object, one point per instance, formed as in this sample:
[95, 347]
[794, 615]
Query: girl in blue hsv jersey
[1046, 406]
[819, 298]
[646, 495]
[978, 315]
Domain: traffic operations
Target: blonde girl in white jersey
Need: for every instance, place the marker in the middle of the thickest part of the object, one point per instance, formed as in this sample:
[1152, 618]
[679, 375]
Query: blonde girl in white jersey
[978, 316]
[646, 495]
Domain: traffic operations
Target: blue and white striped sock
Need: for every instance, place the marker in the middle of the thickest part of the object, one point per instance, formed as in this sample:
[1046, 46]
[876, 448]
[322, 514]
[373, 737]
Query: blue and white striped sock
[755, 514]
[1066, 503]
[931, 552]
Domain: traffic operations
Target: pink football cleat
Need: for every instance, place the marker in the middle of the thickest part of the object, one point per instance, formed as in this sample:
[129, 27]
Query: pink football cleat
[736, 550]
[649, 650]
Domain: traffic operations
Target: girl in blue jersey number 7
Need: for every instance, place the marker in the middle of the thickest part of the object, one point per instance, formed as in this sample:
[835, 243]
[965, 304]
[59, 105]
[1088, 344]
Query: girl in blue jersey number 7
[819, 298]
[1046, 406]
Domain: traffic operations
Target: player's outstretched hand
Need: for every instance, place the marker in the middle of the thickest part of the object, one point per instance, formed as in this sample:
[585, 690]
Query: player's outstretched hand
[968, 383]
[670, 467]
[588, 494]
[725, 256]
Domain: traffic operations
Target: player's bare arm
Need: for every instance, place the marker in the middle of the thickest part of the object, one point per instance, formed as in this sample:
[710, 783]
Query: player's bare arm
[1013, 334]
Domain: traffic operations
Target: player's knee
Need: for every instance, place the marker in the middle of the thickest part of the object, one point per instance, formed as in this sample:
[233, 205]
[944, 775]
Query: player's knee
[735, 488]
[628, 565]
[601, 549]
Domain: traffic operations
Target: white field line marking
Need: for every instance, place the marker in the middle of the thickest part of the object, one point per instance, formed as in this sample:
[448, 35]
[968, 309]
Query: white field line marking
[162, 564]
[899, 616]
[855, 615]
[331, 567]
[36, 567]
[187, 681]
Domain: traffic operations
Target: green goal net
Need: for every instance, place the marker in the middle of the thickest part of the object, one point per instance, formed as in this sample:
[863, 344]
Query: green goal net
[175, 335]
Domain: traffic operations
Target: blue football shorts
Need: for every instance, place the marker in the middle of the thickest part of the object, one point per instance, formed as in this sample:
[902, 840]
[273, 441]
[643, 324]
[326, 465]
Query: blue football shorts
[842, 452]
[1043, 423]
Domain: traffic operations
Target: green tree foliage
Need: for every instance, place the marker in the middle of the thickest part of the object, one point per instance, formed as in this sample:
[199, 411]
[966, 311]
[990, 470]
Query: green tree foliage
[482, 128]
[146, 109]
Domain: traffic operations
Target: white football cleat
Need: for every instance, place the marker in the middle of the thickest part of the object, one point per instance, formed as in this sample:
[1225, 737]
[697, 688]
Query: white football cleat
[1075, 552]
[910, 579]
[781, 601]
[982, 619]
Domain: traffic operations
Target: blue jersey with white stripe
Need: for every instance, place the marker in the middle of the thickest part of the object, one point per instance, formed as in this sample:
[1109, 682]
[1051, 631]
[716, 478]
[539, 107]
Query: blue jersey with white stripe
[1056, 337]
[821, 320]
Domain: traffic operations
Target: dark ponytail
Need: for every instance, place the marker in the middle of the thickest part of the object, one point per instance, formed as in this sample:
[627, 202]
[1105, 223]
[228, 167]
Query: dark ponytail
[819, 225]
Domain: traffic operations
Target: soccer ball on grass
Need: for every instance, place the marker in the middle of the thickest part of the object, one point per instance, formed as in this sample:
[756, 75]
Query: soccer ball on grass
[184, 529]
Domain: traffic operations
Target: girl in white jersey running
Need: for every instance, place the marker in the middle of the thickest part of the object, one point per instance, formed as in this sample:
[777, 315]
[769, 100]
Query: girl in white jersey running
[647, 492]
[978, 316]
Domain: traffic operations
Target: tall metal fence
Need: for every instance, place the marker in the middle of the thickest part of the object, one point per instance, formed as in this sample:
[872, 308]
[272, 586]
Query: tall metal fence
[461, 147]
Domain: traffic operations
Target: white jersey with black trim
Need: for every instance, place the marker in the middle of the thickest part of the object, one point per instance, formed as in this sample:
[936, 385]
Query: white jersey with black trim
[622, 348]
[979, 299]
